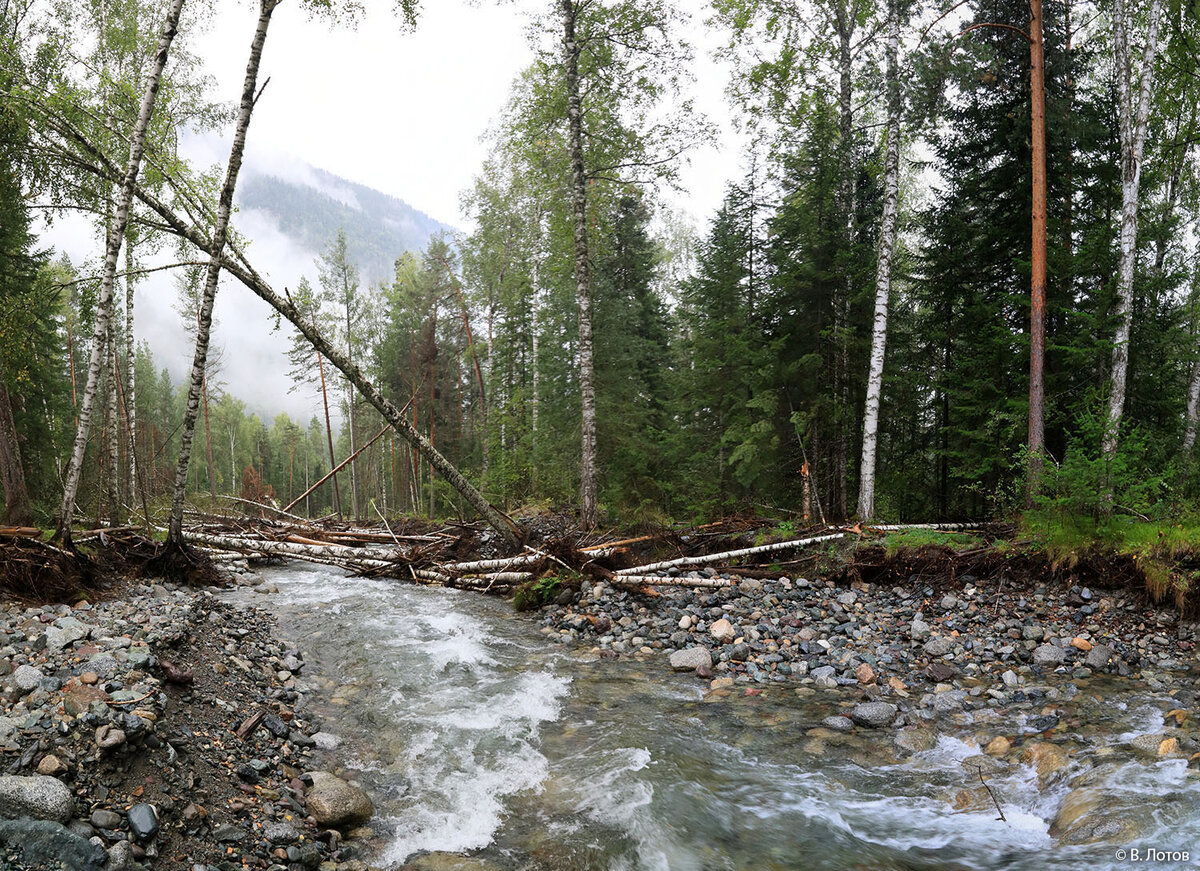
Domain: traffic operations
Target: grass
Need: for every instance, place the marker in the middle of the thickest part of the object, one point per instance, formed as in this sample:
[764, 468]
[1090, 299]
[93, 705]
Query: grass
[904, 539]
[1165, 552]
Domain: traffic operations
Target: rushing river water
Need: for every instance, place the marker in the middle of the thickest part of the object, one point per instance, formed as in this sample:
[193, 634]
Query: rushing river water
[477, 735]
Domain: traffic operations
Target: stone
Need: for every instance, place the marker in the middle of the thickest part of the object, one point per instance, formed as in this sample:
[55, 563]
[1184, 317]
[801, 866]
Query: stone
[228, 834]
[938, 646]
[37, 797]
[998, 746]
[1048, 654]
[334, 803]
[50, 845]
[89, 678]
[108, 738]
[51, 766]
[1081, 644]
[143, 821]
[1087, 816]
[26, 678]
[326, 740]
[949, 701]
[105, 819]
[838, 724]
[916, 740]
[1155, 745]
[120, 857]
[949, 602]
[865, 674]
[722, 631]
[1048, 760]
[691, 659]
[973, 800]
[1010, 679]
[65, 632]
[847, 599]
[281, 833]
[78, 698]
[1098, 657]
[685, 622]
[873, 715]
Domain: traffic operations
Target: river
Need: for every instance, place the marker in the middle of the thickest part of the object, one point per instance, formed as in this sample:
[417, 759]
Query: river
[476, 734]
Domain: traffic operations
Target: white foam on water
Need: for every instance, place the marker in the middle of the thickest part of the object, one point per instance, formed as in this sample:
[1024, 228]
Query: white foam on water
[1145, 720]
[613, 794]
[458, 807]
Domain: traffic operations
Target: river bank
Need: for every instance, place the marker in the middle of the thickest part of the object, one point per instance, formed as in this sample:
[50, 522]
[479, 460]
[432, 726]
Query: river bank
[162, 728]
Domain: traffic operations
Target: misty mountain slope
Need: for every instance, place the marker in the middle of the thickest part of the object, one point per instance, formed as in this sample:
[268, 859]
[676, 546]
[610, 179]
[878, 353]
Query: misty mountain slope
[309, 211]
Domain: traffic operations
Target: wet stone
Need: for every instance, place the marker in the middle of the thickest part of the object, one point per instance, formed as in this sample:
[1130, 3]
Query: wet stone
[143, 821]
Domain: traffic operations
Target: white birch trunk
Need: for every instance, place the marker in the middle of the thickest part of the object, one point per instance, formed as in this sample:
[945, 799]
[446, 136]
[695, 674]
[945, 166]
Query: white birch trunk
[220, 232]
[116, 235]
[728, 555]
[883, 270]
[587, 488]
[130, 377]
[1134, 121]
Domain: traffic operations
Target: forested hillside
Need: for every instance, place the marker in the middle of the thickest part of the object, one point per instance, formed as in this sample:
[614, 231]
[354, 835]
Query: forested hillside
[857, 331]
[311, 211]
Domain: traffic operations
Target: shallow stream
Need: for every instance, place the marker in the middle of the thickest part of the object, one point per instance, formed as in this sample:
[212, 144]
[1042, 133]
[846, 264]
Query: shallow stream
[478, 735]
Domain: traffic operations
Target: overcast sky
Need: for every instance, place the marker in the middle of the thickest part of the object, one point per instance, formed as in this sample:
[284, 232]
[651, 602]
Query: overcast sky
[401, 112]
[405, 112]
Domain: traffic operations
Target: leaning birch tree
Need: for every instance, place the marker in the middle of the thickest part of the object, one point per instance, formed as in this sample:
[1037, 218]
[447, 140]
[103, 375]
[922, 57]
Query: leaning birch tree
[883, 267]
[1134, 111]
[212, 276]
[116, 235]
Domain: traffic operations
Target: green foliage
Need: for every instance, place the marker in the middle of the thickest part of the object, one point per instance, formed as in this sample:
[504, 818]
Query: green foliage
[1091, 483]
[537, 592]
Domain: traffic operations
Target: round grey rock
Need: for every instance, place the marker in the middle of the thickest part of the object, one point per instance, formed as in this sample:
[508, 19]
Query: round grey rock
[691, 659]
[873, 715]
[37, 797]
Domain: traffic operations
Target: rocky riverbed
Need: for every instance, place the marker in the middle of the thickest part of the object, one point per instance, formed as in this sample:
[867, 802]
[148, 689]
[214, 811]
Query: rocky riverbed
[906, 654]
[163, 728]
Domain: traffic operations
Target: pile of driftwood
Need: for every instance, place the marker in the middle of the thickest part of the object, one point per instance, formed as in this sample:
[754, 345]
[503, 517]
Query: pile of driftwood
[428, 556]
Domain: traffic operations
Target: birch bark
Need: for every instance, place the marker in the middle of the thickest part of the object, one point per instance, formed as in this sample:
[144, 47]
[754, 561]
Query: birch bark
[883, 269]
[116, 235]
[1134, 122]
[220, 233]
[583, 295]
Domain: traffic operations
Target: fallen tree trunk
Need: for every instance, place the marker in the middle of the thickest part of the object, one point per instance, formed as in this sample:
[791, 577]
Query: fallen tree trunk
[661, 581]
[728, 555]
[338, 468]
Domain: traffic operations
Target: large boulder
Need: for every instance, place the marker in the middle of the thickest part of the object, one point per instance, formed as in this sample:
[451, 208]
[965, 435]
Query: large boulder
[37, 797]
[51, 846]
[691, 659]
[873, 715]
[334, 803]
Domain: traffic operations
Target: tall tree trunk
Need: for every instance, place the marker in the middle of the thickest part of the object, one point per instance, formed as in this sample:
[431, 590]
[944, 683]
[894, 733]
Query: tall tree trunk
[846, 20]
[17, 511]
[104, 304]
[130, 377]
[1134, 122]
[337, 494]
[220, 232]
[116, 475]
[212, 479]
[583, 294]
[883, 269]
[1037, 282]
